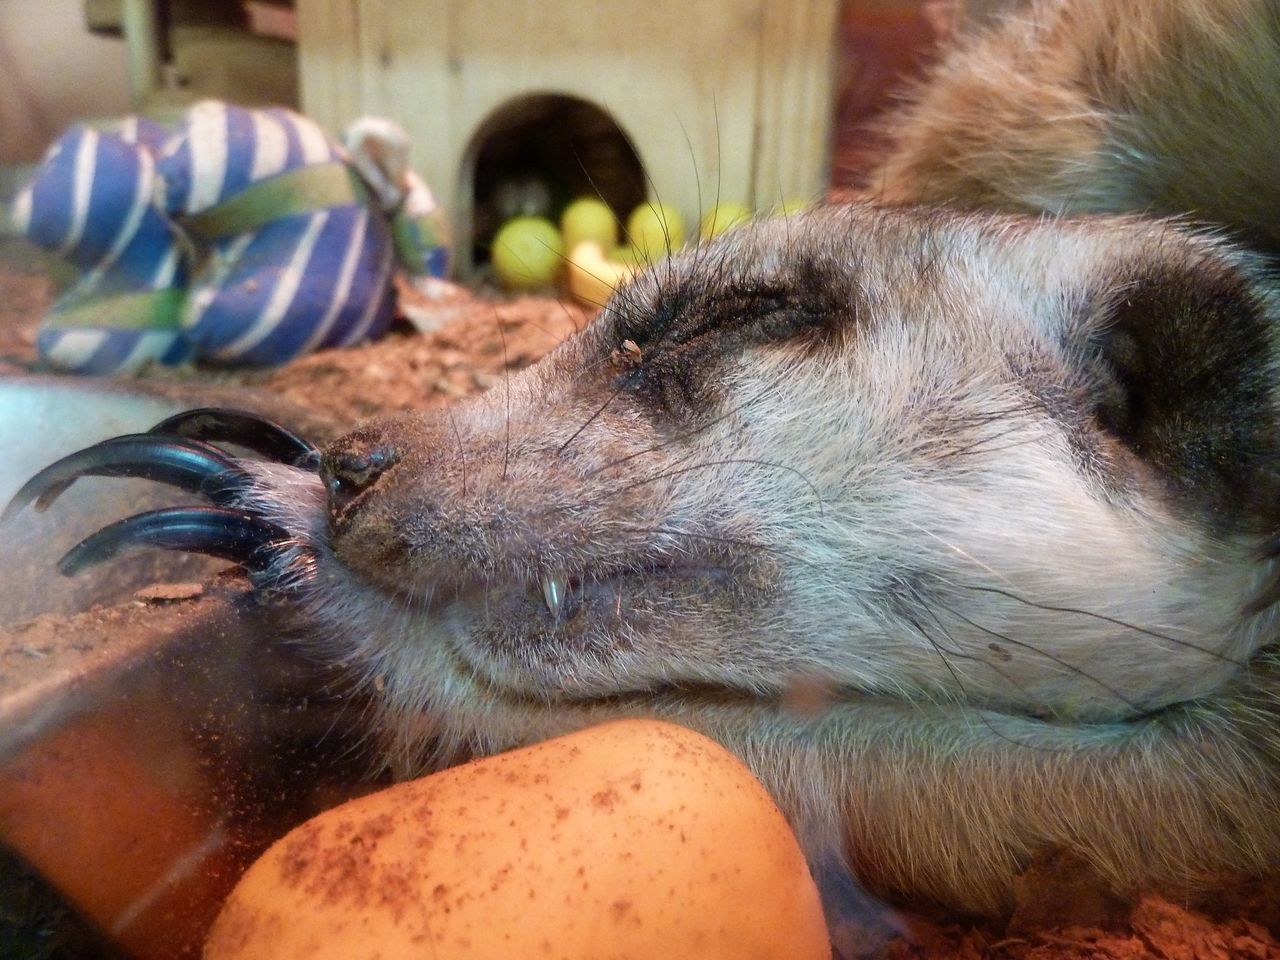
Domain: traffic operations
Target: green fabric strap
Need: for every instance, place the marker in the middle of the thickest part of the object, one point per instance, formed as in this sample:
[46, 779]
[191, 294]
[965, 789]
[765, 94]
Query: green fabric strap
[152, 310]
[413, 238]
[404, 236]
[303, 190]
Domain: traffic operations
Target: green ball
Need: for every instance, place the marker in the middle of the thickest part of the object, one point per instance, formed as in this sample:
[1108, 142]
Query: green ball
[721, 217]
[588, 218]
[655, 230]
[528, 253]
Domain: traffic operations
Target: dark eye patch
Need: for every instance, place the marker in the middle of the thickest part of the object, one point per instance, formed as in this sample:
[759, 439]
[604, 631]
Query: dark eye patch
[670, 354]
[1182, 375]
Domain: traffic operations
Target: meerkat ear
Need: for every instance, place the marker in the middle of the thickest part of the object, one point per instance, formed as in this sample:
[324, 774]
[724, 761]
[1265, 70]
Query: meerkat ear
[1183, 350]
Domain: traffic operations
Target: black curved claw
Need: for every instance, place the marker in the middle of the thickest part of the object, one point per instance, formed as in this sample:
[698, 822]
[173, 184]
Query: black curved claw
[189, 464]
[243, 429]
[214, 531]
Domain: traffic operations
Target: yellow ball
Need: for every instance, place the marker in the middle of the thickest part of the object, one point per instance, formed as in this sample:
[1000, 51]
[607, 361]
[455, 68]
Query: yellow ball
[589, 219]
[528, 253]
[721, 217]
[655, 230]
[793, 206]
[593, 276]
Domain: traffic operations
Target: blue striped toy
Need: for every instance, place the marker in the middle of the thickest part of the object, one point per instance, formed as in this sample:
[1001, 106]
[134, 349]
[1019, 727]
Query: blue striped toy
[275, 245]
[93, 203]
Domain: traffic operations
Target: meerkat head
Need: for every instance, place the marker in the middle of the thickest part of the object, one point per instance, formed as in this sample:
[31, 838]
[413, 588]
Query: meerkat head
[1020, 464]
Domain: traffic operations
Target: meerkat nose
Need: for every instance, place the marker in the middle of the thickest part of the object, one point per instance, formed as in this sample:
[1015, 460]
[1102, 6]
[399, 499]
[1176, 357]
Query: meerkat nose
[348, 474]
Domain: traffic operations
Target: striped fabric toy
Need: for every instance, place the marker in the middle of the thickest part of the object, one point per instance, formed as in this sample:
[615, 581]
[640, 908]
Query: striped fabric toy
[278, 245]
[93, 203]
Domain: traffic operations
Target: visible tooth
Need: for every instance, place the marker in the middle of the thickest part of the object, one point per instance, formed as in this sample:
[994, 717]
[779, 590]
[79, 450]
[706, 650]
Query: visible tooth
[554, 586]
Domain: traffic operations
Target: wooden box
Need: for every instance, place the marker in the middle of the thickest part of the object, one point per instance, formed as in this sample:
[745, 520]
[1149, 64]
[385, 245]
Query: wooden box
[728, 99]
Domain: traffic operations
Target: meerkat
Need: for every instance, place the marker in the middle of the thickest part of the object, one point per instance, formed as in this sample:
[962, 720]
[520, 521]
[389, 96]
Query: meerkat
[1003, 488]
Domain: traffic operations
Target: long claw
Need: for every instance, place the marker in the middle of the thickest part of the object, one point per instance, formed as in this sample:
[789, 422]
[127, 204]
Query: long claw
[243, 429]
[189, 464]
[211, 530]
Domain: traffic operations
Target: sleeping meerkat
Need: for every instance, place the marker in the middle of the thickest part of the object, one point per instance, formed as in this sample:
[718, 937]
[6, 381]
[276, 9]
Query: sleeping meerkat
[1005, 488]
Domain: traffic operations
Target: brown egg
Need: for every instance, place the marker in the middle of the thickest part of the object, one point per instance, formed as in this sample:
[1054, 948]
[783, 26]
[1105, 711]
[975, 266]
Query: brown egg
[632, 839]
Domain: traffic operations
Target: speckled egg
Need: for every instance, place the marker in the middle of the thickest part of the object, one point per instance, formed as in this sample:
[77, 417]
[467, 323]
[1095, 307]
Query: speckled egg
[631, 839]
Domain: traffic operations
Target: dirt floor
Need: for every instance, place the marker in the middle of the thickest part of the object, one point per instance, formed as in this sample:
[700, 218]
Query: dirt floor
[480, 338]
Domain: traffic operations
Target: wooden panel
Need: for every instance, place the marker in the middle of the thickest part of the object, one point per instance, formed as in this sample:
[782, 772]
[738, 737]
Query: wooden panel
[329, 61]
[410, 76]
[797, 90]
